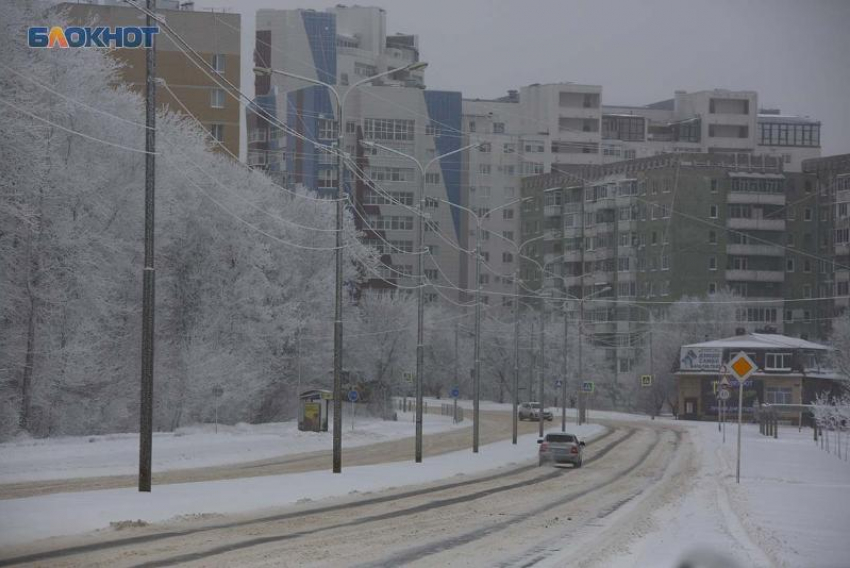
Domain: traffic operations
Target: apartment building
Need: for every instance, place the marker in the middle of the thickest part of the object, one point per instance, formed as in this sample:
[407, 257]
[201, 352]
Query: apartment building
[342, 46]
[740, 223]
[831, 196]
[214, 35]
[716, 121]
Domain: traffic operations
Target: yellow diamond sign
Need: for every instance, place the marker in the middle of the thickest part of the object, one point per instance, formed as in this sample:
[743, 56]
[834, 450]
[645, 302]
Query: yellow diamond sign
[742, 366]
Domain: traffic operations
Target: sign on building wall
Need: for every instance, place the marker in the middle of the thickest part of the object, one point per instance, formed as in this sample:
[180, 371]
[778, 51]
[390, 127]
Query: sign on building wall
[753, 394]
[700, 359]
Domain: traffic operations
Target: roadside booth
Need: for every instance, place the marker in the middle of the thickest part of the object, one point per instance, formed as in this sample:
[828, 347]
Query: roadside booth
[313, 410]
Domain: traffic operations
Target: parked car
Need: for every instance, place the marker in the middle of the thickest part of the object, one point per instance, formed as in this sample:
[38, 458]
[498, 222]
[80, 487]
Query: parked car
[560, 448]
[531, 411]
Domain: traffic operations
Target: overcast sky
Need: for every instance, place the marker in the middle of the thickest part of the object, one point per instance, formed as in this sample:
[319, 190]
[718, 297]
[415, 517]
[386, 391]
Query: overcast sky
[795, 53]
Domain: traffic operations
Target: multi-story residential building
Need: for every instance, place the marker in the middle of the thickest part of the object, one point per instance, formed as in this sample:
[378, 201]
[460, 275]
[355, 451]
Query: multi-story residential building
[831, 177]
[677, 225]
[717, 121]
[216, 38]
[493, 175]
[340, 47]
[555, 126]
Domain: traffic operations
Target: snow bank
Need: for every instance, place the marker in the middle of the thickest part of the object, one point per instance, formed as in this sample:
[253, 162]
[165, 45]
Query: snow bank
[189, 447]
[32, 518]
[791, 509]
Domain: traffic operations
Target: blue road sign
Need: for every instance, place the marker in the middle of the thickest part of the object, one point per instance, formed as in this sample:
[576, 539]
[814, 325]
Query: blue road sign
[455, 392]
[559, 383]
[353, 396]
[587, 386]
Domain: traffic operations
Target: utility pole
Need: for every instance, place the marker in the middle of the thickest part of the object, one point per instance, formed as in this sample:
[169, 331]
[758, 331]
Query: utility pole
[149, 275]
[516, 355]
[582, 397]
[542, 364]
[476, 387]
[420, 313]
[340, 196]
[564, 370]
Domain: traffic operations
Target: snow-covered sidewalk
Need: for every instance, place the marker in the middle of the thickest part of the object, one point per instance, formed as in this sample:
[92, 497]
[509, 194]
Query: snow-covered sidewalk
[791, 509]
[32, 518]
[193, 446]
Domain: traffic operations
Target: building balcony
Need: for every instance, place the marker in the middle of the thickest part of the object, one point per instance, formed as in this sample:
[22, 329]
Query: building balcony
[756, 224]
[551, 210]
[756, 198]
[755, 275]
[755, 250]
[579, 112]
[551, 235]
[551, 257]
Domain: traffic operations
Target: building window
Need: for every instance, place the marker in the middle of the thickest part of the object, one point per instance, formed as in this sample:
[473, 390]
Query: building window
[807, 290]
[217, 98]
[789, 265]
[777, 361]
[665, 262]
[472, 126]
[807, 265]
[392, 129]
[432, 202]
[712, 288]
[218, 62]
[327, 129]
[432, 178]
[507, 257]
[498, 128]
[712, 212]
[778, 395]
[217, 132]
[507, 214]
[807, 214]
[712, 237]
[712, 262]
[484, 169]
[364, 70]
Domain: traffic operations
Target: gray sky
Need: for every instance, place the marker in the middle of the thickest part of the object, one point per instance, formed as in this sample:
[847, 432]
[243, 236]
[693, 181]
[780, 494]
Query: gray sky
[795, 53]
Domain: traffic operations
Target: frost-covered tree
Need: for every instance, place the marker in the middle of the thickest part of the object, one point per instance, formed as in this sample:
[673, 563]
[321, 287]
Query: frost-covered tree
[689, 320]
[244, 268]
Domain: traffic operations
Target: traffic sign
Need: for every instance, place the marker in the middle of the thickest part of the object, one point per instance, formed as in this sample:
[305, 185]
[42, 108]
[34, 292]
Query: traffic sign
[455, 392]
[646, 380]
[724, 394]
[353, 395]
[559, 383]
[587, 386]
[742, 366]
[407, 376]
[217, 391]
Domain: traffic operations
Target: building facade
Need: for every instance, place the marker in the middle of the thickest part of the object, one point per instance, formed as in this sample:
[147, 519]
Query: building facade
[791, 371]
[216, 38]
[831, 179]
[660, 228]
[340, 47]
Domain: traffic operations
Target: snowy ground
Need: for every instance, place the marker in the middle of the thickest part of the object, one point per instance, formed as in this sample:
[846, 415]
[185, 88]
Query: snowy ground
[194, 446]
[31, 518]
[792, 508]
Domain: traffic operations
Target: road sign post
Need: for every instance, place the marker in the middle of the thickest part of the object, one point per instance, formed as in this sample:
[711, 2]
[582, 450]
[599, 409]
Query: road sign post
[741, 367]
[353, 395]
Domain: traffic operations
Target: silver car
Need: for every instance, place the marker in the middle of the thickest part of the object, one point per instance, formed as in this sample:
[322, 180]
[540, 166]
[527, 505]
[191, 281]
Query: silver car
[531, 411]
[560, 448]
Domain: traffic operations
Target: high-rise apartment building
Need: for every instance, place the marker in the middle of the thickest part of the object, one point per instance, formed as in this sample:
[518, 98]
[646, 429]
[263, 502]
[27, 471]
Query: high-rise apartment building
[216, 38]
[664, 227]
[832, 193]
[553, 127]
[340, 47]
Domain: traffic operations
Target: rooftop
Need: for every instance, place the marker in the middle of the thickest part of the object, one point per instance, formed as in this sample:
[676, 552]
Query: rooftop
[761, 341]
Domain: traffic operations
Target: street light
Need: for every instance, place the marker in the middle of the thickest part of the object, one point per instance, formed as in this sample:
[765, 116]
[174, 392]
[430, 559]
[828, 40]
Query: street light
[340, 163]
[420, 306]
[477, 380]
